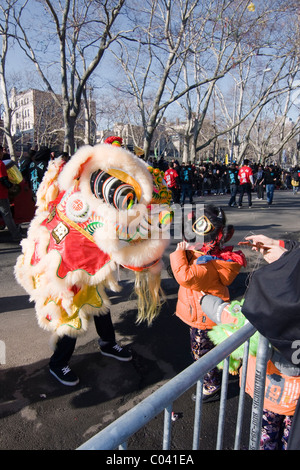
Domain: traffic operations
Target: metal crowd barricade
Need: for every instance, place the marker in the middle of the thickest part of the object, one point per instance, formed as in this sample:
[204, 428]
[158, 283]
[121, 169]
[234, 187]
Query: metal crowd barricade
[116, 435]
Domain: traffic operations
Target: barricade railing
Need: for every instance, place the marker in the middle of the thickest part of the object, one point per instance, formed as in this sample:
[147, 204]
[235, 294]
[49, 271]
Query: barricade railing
[116, 435]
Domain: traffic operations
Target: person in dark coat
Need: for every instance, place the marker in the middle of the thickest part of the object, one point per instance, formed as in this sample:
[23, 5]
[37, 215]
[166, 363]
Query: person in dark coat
[24, 164]
[38, 167]
[272, 305]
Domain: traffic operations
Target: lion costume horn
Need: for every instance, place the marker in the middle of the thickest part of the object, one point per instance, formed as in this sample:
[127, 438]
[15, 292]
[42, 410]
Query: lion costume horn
[101, 209]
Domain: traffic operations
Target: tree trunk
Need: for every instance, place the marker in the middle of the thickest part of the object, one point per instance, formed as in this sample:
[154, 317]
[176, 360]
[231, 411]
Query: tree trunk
[186, 148]
[69, 140]
[147, 140]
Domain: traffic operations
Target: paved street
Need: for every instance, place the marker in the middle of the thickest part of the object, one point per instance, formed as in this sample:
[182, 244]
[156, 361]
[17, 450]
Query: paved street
[39, 413]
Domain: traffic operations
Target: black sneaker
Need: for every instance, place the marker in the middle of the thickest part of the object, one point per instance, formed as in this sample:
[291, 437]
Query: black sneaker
[116, 351]
[65, 376]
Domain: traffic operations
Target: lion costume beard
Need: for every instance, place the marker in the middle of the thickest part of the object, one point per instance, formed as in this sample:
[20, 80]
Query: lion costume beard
[102, 209]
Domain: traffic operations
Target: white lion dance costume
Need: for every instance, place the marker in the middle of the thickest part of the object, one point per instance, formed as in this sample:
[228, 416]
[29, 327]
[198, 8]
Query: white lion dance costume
[101, 209]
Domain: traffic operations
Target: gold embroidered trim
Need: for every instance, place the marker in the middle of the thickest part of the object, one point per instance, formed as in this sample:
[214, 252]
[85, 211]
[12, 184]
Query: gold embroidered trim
[75, 226]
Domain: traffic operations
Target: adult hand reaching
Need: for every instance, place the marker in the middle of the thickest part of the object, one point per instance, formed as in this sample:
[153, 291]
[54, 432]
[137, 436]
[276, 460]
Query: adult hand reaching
[266, 241]
[270, 248]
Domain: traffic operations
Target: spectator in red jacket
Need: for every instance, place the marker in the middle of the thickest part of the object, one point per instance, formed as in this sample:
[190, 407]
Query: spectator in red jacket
[172, 181]
[245, 176]
[5, 211]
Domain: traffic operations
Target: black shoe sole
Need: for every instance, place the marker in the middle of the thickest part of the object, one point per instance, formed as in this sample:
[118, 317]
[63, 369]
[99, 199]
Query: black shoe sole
[64, 382]
[123, 359]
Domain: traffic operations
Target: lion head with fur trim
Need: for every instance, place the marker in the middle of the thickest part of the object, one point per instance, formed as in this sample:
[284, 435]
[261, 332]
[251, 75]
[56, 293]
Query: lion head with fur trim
[102, 209]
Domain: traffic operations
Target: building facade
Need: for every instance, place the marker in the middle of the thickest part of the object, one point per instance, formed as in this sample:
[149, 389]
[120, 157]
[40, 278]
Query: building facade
[37, 120]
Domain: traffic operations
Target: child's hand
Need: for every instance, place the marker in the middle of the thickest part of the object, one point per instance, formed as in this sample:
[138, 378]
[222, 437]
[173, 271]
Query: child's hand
[182, 246]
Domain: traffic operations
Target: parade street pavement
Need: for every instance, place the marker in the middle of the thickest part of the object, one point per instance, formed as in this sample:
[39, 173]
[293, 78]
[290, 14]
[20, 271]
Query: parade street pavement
[38, 413]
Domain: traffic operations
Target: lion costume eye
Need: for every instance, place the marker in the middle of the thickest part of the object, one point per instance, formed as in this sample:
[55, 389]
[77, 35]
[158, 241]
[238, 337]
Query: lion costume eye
[112, 190]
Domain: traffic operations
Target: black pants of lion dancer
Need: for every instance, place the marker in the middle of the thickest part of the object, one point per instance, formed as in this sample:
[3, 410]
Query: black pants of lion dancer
[66, 345]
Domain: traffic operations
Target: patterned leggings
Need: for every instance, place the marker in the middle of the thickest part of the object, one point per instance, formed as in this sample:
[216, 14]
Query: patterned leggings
[275, 431]
[200, 345]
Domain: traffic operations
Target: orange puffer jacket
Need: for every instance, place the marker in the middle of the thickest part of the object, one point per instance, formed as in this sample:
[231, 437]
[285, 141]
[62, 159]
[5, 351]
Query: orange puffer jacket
[209, 277]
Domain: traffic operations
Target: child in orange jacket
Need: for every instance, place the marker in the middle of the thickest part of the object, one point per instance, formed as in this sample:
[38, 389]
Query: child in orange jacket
[209, 269]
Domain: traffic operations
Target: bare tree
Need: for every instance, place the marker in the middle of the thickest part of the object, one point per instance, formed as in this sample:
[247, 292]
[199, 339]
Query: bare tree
[152, 56]
[171, 51]
[247, 43]
[72, 25]
[262, 87]
[48, 129]
[7, 34]
[182, 49]
[274, 130]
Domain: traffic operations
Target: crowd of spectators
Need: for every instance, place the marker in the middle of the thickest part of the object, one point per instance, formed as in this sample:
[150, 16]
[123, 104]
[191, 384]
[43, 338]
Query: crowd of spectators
[210, 178]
